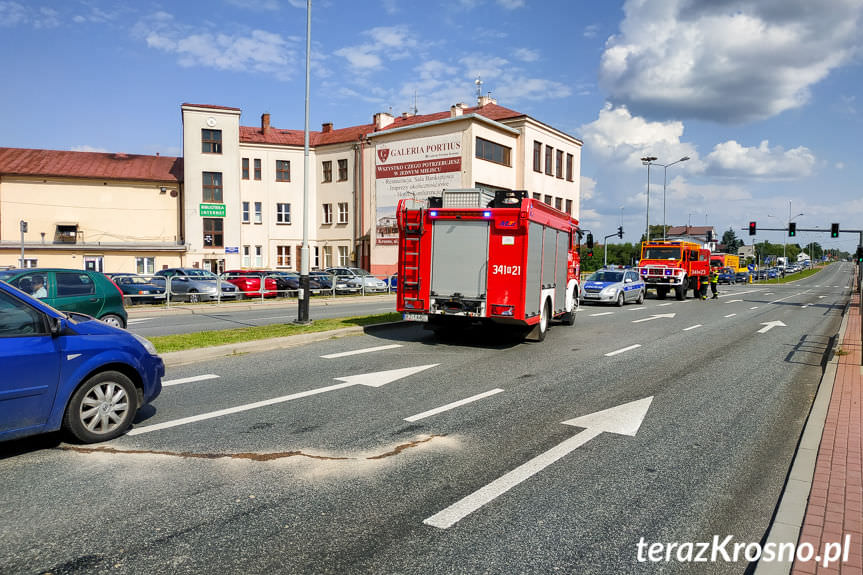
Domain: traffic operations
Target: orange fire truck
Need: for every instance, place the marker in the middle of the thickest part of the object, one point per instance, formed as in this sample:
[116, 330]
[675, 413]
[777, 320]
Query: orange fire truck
[474, 256]
[677, 265]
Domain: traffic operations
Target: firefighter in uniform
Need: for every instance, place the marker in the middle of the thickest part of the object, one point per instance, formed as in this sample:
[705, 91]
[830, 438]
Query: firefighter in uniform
[714, 281]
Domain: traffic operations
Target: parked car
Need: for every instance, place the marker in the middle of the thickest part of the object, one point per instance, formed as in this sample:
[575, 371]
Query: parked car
[194, 285]
[614, 286]
[70, 372]
[80, 291]
[139, 289]
[726, 276]
[248, 283]
[342, 285]
[364, 278]
[292, 281]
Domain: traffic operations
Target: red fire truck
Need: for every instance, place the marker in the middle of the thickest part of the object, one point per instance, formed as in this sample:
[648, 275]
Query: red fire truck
[473, 256]
[676, 265]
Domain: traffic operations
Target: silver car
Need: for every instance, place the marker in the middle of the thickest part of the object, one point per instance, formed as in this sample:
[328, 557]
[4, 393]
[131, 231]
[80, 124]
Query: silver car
[616, 286]
[359, 278]
[194, 285]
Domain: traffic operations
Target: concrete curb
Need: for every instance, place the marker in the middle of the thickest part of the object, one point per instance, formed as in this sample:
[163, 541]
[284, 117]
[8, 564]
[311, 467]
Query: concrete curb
[790, 513]
[178, 358]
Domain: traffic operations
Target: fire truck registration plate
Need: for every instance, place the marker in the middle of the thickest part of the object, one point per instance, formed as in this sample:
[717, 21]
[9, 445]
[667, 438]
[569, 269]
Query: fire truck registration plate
[415, 317]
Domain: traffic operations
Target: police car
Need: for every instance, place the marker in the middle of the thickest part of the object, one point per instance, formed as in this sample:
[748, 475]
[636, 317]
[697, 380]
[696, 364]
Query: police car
[616, 286]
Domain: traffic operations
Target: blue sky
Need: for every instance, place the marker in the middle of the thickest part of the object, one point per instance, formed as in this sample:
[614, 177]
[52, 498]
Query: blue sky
[763, 96]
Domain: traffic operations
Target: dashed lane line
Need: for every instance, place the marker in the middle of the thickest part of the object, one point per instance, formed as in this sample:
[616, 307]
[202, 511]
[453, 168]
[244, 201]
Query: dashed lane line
[623, 350]
[731, 315]
[452, 405]
[692, 327]
[359, 351]
[192, 379]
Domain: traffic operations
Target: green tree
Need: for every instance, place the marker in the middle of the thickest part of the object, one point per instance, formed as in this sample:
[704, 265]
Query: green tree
[731, 241]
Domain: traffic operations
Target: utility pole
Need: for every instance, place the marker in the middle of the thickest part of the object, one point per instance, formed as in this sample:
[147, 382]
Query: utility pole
[23, 225]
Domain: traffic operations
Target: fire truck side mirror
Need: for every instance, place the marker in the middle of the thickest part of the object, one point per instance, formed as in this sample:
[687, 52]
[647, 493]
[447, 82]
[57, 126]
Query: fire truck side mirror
[589, 241]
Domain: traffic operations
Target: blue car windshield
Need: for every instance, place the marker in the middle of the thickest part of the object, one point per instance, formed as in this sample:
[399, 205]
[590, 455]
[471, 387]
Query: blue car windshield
[606, 277]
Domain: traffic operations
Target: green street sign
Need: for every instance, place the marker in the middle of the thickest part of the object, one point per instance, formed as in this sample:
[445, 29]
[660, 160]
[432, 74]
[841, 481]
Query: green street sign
[211, 210]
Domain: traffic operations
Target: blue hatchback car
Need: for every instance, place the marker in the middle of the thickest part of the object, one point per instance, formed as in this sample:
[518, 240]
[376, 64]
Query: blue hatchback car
[69, 371]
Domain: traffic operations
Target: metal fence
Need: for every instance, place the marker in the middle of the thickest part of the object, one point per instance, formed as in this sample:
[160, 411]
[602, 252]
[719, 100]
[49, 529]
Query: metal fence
[139, 289]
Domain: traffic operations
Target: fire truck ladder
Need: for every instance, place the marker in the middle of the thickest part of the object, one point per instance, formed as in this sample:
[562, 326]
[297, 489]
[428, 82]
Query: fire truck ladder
[409, 264]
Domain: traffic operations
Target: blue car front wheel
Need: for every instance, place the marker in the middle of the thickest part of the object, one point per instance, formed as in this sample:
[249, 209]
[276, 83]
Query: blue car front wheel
[101, 408]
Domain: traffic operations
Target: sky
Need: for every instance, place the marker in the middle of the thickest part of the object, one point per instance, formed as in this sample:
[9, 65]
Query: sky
[761, 96]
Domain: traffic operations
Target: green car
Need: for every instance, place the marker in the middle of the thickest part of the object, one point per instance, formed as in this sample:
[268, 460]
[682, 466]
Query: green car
[78, 291]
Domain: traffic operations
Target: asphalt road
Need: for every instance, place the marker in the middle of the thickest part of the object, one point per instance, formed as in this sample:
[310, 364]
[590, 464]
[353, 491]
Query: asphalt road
[315, 472]
[152, 321]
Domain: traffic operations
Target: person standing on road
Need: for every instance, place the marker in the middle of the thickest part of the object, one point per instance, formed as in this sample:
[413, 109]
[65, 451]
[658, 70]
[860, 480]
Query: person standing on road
[714, 283]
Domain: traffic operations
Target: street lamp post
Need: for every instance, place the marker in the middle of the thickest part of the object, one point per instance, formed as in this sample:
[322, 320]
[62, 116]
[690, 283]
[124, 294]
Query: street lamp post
[664, 180]
[647, 161]
[785, 242]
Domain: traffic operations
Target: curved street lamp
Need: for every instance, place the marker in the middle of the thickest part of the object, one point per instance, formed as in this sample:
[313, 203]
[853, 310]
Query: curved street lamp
[647, 161]
[664, 178]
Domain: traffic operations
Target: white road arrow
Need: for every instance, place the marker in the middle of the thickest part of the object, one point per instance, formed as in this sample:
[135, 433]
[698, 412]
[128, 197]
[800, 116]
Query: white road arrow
[654, 316]
[624, 420]
[768, 325]
[370, 379]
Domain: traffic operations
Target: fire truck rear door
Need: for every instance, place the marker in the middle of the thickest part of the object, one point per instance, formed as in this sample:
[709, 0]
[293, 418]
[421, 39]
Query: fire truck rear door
[459, 258]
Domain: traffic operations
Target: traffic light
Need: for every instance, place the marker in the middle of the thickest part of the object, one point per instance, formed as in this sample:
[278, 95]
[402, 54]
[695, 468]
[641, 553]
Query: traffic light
[751, 228]
[620, 231]
[834, 230]
[859, 255]
[792, 229]
[709, 236]
[590, 241]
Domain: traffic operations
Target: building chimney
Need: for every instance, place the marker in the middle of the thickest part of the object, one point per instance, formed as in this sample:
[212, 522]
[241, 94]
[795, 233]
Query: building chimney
[456, 110]
[265, 123]
[483, 100]
[382, 120]
[327, 127]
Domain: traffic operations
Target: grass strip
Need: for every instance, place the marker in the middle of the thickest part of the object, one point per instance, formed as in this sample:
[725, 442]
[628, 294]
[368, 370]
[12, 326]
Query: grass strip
[791, 277]
[183, 341]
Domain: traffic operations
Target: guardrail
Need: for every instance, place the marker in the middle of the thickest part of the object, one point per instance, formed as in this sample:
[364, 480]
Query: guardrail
[139, 289]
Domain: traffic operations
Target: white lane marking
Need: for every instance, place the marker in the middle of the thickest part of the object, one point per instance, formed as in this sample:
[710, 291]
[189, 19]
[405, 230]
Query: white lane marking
[663, 304]
[640, 308]
[654, 316]
[452, 405]
[190, 379]
[625, 349]
[731, 315]
[769, 293]
[804, 306]
[359, 351]
[822, 296]
[603, 313]
[369, 379]
[139, 319]
[768, 325]
[692, 327]
[237, 409]
[624, 419]
[733, 300]
[756, 307]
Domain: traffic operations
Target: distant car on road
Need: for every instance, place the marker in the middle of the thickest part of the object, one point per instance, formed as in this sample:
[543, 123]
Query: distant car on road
[742, 277]
[726, 276]
[80, 291]
[616, 286]
[70, 372]
[194, 285]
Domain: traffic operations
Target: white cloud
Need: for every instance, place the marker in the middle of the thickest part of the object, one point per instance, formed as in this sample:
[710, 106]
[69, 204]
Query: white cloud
[12, 14]
[256, 51]
[587, 187]
[840, 165]
[388, 42]
[526, 55]
[262, 5]
[591, 31]
[729, 61]
[511, 4]
[731, 159]
[86, 148]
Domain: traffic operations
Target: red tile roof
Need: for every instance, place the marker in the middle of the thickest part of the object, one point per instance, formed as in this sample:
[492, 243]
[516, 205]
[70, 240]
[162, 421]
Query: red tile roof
[688, 230]
[99, 165]
[254, 135]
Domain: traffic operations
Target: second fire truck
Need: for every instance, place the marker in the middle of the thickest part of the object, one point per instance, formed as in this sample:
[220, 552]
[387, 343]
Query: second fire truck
[674, 265]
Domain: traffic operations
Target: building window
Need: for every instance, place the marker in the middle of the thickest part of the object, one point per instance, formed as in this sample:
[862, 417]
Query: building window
[549, 155]
[343, 256]
[66, 234]
[569, 167]
[283, 171]
[259, 213]
[283, 213]
[537, 196]
[259, 256]
[559, 164]
[145, 266]
[30, 263]
[569, 207]
[343, 212]
[328, 257]
[245, 168]
[211, 141]
[316, 259]
[245, 212]
[328, 213]
[247, 256]
[343, 170]
[283, 256]
[214, 233]
[547, 200]
[558, 203]
[257, 168]
[492, 152]
[212, 187]
[327, 168]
